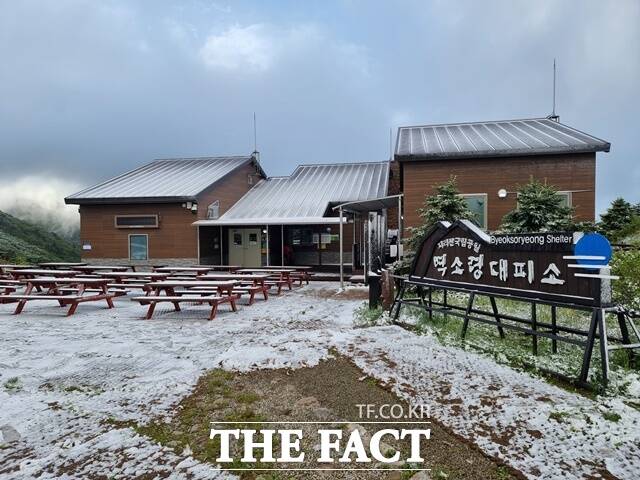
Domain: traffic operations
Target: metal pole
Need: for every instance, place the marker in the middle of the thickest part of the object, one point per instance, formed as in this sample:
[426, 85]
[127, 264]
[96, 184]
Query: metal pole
[221, 252]
[399, 225]
[341, 259]
[267, 226]
[282, 243]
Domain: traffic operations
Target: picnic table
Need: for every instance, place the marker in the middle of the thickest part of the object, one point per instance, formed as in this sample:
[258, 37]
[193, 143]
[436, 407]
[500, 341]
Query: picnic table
[56, 288]
[4, 268]
[61, 265]
[203, 295]
[99, 268]
[283, 275]
[221, 268]
[19, 274]
[128, 280]
[249, 284]
[194, 270]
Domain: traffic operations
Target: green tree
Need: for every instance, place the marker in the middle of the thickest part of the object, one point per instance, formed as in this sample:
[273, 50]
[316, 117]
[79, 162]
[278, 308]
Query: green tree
[539, 209]
[445, 204]
[617, 218]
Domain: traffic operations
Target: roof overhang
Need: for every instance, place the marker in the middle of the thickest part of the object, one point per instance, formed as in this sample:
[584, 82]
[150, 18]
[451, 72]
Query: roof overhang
[372, 205]
[269, 221]
[520, 152]
[127, 200]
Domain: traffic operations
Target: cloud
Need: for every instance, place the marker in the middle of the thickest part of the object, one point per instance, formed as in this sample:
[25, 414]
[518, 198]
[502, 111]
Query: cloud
[40, 199]
[239, 48]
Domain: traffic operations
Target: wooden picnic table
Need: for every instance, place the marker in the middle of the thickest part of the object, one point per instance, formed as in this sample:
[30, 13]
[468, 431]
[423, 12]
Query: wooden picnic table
[37, 272]
[279, 277]
[169, 286]
[99, 268]
[241, 277]
[54, 291]
[120, 276]
[197, 270]
[221, 268]
[155, 289]
[7, 266]
[57, 265]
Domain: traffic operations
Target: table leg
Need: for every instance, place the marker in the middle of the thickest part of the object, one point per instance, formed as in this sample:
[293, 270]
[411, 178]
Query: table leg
[105, 290]
[23, 302]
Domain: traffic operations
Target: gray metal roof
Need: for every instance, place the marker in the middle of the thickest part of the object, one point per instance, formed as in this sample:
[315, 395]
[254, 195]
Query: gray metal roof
[535, 136]
[173, 179]
[306, 195]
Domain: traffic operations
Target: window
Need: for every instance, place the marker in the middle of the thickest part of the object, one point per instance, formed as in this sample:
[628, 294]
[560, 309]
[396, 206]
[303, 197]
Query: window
[302, 237]
[213, 210]
[136, 221]
[138, 247]
[237, 239]
[477, 203]
[566, 198]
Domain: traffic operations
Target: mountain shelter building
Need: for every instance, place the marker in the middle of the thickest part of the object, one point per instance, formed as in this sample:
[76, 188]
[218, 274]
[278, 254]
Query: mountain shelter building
[227, 211]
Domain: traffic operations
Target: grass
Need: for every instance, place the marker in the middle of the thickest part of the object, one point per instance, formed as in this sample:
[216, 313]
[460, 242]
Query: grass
[13, 384]
[515, 349]
[611, 416]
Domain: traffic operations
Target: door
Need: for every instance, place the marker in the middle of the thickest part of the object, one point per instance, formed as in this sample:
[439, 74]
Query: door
[244, 247]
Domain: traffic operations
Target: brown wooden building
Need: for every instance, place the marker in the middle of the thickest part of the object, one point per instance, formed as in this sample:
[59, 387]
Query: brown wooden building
[490, 160]
[145, 216]
[225, 210]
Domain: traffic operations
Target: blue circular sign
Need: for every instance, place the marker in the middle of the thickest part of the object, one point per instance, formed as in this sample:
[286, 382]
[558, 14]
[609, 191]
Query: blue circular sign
[595, 249]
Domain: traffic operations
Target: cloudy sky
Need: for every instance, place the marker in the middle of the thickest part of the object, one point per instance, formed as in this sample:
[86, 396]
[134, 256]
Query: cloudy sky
[89, 89]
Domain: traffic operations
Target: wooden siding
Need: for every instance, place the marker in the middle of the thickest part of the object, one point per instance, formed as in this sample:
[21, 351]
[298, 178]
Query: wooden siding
[228, 190]
[175, 237]
[568, 172]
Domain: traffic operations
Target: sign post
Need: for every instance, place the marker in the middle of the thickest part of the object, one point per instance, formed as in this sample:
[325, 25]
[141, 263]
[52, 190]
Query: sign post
[558, 269]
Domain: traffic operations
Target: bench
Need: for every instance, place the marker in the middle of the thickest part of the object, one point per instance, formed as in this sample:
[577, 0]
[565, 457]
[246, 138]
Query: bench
[212, 300]
[73, 300]
[279, 284]
[252, 290]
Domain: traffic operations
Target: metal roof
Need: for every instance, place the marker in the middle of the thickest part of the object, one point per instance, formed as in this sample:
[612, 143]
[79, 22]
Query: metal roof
[306, 195]
[535, 136]
[172, 179]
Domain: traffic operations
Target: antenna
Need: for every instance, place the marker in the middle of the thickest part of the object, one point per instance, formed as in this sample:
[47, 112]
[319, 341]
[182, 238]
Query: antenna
[553, 115]
[255, 135]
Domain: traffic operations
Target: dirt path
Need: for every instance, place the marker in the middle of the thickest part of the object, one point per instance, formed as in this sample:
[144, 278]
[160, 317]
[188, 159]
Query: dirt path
[327, 392]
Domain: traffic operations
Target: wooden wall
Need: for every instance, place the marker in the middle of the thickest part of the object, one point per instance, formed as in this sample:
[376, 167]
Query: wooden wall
[175, 238]
[568, 172]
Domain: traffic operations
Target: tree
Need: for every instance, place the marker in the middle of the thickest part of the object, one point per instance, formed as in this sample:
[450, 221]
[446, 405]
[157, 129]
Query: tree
[539, 209]
[620, 219]
[445, 204]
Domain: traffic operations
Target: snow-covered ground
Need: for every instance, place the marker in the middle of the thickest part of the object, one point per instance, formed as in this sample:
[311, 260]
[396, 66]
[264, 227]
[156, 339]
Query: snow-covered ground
[61, 378]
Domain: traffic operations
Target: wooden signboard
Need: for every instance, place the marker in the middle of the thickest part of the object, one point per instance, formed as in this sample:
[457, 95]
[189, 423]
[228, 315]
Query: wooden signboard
[540, 266]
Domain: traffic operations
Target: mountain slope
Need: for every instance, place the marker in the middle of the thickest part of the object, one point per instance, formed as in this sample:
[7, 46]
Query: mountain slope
[21, 241]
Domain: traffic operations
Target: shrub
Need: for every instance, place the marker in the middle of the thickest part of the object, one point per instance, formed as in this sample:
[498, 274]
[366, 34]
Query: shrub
[539, 209]
[626, 290]
[445, 204]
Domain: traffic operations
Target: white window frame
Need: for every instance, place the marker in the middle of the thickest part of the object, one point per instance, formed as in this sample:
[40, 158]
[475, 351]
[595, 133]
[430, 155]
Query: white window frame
[569, 195]
[217, 204]
[156, 216]
[129, 245]
[486, 206]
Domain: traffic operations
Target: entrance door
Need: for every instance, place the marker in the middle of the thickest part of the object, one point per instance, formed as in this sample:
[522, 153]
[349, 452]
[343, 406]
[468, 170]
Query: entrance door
[244, 247]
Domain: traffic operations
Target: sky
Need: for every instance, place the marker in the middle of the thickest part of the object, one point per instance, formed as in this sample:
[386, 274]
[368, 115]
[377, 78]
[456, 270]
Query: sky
[91, 89]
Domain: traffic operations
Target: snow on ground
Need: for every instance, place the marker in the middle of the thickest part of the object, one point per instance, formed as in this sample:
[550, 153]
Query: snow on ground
[61, 378]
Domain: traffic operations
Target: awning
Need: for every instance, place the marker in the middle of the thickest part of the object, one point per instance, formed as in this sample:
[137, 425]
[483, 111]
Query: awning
[373, 205]
[270, 221]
